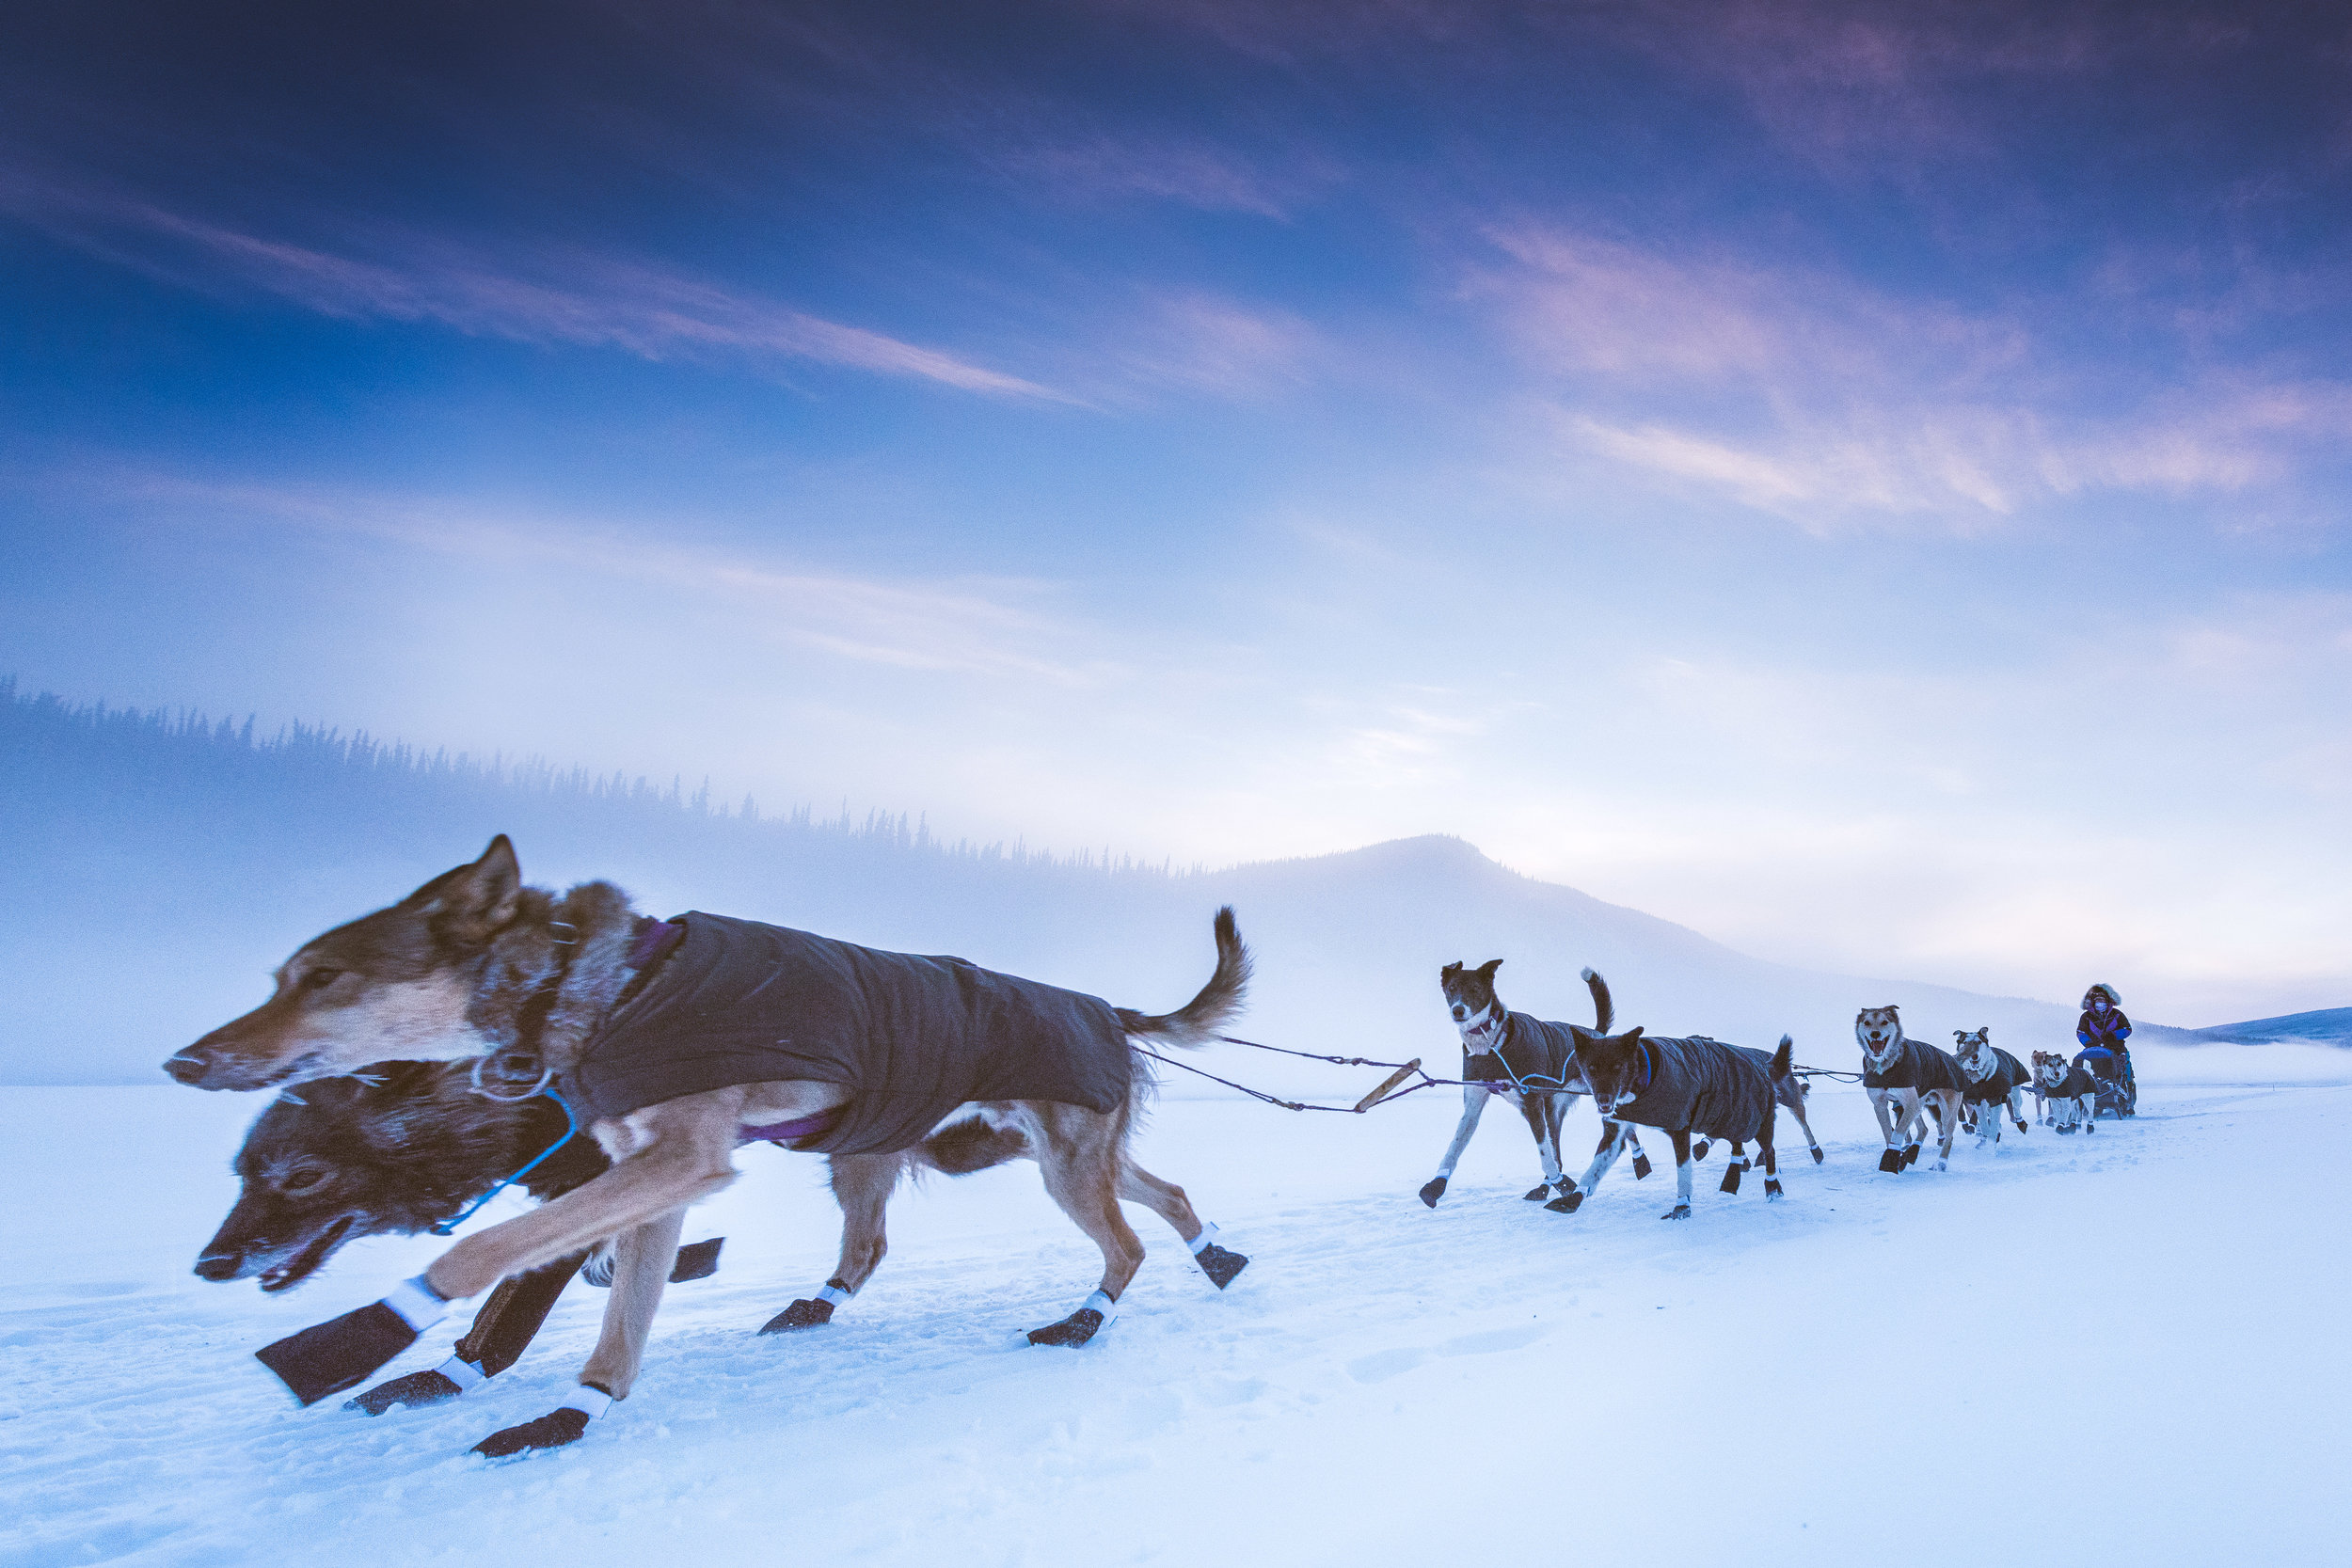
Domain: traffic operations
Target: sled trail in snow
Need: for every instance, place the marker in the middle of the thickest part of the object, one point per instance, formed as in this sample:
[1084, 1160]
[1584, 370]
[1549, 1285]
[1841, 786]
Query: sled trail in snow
[2139, 1317]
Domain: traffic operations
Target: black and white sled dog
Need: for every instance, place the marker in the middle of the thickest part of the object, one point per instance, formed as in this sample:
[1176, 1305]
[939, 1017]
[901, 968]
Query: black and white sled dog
[1521, 1058]
[2069, 1089]
[1687, 1085]
[1904, 1076]
[1991, 1082]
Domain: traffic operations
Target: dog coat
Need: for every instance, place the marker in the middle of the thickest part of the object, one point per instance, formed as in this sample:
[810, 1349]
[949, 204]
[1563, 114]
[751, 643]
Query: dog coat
[2078, 1083]
[1700, 1085]
[1538, 1053]
[1918, 1066]
[912, 1039]
[1993, 1087]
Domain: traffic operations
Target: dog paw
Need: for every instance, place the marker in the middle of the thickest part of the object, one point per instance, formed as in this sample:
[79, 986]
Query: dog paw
[1432, 1191]
[1220, 1265]
[414, 1392]
[800, 1314]
[1698, 1149]
[1641, 1166]
[1072, 1332]
[1771, 1190]
[1566, 1203]
[1680, 1212]
[551, 1430]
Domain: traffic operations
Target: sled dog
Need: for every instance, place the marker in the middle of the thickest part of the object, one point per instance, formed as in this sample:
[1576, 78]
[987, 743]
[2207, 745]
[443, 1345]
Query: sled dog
[1904, 1077]
[1686, 1085]
[1992, 1082]
[410, 1145]
[678, 1040]
[1523, 1059]
[2069, 1089]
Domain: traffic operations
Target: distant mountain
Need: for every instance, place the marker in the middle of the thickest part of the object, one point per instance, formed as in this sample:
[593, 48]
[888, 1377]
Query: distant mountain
[158, 868]
[2326, 1026]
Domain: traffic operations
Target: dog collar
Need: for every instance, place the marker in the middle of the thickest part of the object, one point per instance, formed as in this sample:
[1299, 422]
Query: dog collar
[1647, 1053]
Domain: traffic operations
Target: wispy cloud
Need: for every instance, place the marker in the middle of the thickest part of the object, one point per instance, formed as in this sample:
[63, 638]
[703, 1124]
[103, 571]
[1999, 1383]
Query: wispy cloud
[1819, 398]
[1106, 167]
[577, 300]
[985, 626]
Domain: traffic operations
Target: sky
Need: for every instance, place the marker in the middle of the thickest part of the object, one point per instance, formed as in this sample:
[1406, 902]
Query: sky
[1867, 482]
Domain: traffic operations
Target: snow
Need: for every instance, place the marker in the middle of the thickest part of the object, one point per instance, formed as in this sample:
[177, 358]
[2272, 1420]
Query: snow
[2083, 1350]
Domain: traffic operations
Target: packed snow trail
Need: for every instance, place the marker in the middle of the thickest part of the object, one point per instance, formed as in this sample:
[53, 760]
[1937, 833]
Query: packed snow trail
[2089, 1349]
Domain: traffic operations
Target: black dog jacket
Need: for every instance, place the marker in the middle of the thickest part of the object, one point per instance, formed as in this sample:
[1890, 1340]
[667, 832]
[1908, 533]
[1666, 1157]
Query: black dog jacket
[1917, 1066]
[1995, 1086]
[1539, 1054]
[912, 1039]
[1700, 1085]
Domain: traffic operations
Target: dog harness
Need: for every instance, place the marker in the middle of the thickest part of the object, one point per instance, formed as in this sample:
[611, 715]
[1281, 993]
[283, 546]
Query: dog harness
[1535, 1056]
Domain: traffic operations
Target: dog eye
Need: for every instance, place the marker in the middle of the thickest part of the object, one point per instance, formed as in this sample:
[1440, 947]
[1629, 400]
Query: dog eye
[319, 979]
[301, 1180]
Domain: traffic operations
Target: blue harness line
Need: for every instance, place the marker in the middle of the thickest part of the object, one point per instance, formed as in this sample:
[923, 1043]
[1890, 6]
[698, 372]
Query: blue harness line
[571, 1129]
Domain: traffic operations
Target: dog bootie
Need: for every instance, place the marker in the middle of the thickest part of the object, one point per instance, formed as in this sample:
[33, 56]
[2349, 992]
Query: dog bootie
[418, 1389]
[1911, 1154]
[1732, 1173]
[1536, 1193]
[328, 1358]
[1891, 1162]
[1568, 1202]
[1641, 1166]
[808, 1312]
[1680, 1212]
[1432, 1191]
[1771, 1189]
[1220, 1264]
[1818, 1155]
[1077, 1328]
[567, 1423]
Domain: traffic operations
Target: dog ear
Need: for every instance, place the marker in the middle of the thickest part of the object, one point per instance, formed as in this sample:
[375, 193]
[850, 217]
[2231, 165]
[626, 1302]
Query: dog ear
[1450, 969]
[1632, 1035]
[470, 904]
[1960, 1034]
[1486, 970]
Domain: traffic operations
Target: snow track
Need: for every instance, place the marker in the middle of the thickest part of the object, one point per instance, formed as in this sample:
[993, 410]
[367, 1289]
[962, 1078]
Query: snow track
[2112, 1349]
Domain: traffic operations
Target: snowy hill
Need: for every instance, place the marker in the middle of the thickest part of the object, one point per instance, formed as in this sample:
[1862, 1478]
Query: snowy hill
[159, 869]
[2324, 1026]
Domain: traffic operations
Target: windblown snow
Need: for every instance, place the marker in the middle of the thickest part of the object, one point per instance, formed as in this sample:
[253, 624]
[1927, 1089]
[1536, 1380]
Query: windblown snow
[2112, 1349]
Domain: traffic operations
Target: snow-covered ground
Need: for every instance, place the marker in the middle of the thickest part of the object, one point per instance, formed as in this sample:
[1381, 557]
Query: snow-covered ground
[2119, 1349]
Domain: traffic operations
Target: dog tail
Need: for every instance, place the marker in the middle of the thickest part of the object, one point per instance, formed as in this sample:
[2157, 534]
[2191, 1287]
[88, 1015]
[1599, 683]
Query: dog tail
[971, 1143]
[1604, 1011]
[1197, 1021]
[1784, 1058]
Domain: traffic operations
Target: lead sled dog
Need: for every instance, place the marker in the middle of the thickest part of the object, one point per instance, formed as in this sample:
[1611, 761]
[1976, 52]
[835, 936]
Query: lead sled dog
[682, 1040]
[409, 1146]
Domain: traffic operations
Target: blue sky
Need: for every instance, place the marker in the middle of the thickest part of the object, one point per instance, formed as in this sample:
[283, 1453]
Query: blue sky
[1865, 480]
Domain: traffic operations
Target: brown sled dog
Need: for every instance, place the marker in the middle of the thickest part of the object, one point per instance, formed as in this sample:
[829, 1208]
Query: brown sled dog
[409, 1146]
[475, 963]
